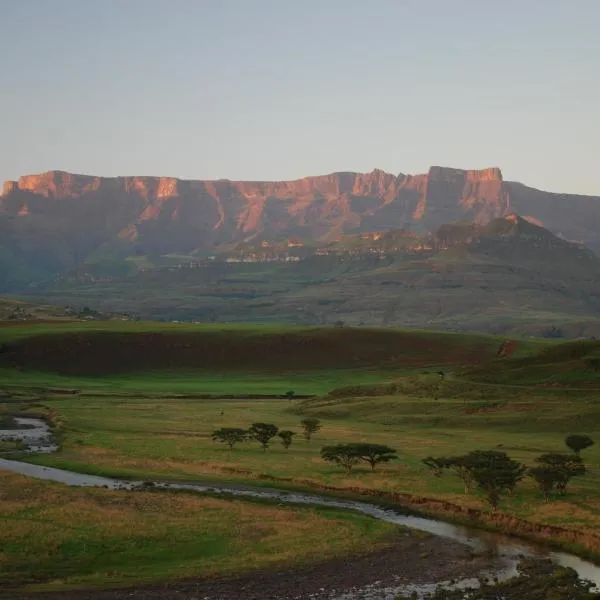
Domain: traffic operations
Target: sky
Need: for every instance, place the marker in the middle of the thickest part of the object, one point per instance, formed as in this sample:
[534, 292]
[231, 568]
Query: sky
[282, 89]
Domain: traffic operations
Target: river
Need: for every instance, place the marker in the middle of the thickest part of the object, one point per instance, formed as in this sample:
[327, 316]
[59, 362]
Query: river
[505, 549]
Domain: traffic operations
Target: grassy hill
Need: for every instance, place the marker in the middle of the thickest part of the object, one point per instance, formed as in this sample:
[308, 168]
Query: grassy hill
[153, 357]
[16, 310]
[569, 363]
[509, 277]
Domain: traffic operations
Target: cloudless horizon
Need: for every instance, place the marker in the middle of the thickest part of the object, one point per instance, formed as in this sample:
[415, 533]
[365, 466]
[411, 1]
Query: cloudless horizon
[279, 89]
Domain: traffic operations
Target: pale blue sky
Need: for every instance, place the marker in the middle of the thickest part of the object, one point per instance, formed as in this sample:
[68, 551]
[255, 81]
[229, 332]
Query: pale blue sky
[281, 89]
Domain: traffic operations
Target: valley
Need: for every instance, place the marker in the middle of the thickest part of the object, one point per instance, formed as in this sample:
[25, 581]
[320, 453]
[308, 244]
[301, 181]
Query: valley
[299, 300]
[150, 416]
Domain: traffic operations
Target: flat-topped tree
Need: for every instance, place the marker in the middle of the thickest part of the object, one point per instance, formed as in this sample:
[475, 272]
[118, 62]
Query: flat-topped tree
[493, 472]
[230, 435]
[345, 455]
[310, 425]
[375, 454]
[577, 443]
[263, 433]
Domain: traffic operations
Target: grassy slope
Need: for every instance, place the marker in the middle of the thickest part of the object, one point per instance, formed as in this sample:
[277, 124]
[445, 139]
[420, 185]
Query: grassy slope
[453, 289]
[167, 358]
[52, 536]
[170, 438]
[10, 307]
[570, 363]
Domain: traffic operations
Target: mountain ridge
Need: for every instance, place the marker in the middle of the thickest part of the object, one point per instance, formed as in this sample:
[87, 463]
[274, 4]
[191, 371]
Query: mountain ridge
[54, 221]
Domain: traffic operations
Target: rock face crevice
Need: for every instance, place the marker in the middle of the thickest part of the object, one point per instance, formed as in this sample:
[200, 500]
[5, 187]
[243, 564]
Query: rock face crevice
[68, 217]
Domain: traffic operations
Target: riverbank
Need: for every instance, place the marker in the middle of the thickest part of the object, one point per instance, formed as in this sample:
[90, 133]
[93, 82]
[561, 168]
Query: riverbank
[407, 560]
[188, 456]
[584, 542]
[57, 537]
[471, 552]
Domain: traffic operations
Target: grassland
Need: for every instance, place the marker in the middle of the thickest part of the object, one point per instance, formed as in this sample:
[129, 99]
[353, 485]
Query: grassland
[54, 537]
[170, 439]
[194, 382]
[128, 422]
[465, 288]
[154, 358]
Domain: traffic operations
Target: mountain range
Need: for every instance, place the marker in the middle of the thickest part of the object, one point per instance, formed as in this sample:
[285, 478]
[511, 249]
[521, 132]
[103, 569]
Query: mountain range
[55, 221]
[451, 248]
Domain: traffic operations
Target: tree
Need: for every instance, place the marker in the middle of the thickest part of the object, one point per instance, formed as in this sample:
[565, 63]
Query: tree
[345, 455]
[577, 443]
[310, 425]
[375, 454]
[286, 437]
[546, 477]
[229, 436]
[290, 394]
[462, 466]
[495, 474]
[263, 433]
[565, 467]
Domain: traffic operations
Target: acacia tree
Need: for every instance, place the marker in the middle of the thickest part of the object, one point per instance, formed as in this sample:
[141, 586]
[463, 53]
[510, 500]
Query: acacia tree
[462, 466]
[577, 442]
[310, 425]
[564, 466]
[345, 455]
[495, 474]
[472, 469]
[263, 433]
[229, 435]
[375, 454]
[286, 437]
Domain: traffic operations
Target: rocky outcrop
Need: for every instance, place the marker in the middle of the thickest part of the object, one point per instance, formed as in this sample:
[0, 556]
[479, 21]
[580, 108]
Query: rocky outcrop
[78, 217]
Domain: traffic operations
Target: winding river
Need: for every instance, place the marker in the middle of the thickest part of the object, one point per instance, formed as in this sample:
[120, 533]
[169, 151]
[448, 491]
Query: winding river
[505, 549]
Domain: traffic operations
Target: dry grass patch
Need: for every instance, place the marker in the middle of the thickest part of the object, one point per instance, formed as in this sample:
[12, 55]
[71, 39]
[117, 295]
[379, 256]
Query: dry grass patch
[88, 537]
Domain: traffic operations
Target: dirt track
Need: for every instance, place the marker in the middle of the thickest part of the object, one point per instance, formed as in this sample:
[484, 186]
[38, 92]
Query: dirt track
[407, 560]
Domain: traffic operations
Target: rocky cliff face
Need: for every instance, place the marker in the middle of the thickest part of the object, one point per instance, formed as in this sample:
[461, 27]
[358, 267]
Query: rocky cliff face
[63, 219]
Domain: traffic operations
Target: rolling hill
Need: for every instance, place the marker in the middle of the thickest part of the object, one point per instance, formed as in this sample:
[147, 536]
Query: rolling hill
[508, 276]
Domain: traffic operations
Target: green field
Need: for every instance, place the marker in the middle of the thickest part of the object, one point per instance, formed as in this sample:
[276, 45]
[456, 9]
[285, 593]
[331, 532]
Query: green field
[156, 358]
[55, 537]
[127, 420]
[195, 382]
[170, 439]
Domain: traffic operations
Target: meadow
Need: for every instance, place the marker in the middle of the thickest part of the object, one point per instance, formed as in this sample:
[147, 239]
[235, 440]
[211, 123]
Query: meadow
[170, 438]
[420, 393]
[55, 537]
[164, 358]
